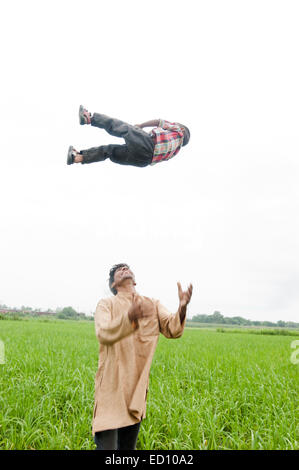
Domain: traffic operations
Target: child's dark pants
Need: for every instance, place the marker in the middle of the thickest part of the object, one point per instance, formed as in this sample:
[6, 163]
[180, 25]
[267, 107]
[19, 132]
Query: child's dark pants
[137, 151]
[117, 439]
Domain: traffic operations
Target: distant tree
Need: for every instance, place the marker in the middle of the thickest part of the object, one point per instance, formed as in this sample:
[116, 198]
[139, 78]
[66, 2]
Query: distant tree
[281, 323]
[239, 320]
[268, 323]
[26, 309]
[200, 318]
[291, 324]
[217, 317]
[62, 316]
[69, 312]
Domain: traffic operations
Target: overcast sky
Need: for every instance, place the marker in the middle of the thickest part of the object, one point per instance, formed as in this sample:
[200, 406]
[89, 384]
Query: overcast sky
[222, 214]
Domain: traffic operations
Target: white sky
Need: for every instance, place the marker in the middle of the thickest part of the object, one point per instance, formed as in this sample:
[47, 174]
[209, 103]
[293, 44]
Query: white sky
[223, 214]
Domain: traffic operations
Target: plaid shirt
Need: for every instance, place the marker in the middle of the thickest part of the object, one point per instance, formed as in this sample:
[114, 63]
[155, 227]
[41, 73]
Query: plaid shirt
[169, 138]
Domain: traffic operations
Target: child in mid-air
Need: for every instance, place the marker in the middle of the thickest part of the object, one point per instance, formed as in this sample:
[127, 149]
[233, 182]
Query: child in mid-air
[141, 148]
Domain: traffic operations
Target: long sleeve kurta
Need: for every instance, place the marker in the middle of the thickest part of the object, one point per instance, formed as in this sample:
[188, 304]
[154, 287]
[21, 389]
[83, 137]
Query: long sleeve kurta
[125, 357]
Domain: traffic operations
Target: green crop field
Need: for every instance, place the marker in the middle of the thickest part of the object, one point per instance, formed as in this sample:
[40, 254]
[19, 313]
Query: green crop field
[208, 390]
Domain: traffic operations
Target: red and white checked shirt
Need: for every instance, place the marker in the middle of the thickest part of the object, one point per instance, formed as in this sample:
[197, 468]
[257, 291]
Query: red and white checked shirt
[169, 138]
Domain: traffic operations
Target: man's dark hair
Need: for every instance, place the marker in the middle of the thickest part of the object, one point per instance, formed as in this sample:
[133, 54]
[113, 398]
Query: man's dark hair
[186, 134]
[111, 275]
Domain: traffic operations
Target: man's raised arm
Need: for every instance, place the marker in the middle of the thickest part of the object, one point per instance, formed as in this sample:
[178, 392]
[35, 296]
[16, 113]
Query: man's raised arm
[172, 326]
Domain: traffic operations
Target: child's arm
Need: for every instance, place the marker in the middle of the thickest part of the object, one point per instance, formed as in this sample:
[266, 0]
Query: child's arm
[153, 123]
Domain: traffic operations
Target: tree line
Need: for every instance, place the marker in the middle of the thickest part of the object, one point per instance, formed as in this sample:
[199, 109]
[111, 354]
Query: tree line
[71, 314]
[65, 313]
[216, 317]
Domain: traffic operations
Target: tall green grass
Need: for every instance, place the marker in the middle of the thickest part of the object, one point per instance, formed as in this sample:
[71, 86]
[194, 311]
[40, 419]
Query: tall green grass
[207, 390]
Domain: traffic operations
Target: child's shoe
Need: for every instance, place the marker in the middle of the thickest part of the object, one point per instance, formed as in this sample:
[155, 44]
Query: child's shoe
[84, 116]
[70, 155]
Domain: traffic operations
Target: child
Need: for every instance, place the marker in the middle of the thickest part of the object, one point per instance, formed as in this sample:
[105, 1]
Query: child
[141, 148]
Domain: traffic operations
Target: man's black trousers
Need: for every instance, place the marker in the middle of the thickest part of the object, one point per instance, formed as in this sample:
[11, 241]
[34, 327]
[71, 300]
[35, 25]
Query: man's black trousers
[117, 439]
[137, 151]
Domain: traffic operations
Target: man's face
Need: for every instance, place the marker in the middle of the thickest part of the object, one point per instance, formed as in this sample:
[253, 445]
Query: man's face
[121, 274]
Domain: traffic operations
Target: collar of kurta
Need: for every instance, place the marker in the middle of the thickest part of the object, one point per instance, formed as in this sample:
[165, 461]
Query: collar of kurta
[127, 295]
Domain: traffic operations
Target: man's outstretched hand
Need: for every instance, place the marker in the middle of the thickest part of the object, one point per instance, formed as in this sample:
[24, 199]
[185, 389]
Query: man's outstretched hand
[184, 296]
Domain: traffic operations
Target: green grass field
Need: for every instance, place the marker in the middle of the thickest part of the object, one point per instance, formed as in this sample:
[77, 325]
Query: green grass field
[208, 390]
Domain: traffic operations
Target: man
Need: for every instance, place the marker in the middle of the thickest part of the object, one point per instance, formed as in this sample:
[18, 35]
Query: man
[128, 327]
[141, 148]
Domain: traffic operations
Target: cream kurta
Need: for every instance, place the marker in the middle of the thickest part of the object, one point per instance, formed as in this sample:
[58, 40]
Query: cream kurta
[126, 354]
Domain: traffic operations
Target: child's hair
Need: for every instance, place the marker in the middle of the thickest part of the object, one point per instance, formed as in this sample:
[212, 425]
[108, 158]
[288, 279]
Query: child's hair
[111, 276]
[186, 134]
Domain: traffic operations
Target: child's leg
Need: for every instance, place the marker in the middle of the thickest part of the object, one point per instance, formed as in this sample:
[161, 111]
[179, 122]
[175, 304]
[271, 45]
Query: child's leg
[117, 154]
[113, 126]
[139, 143]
